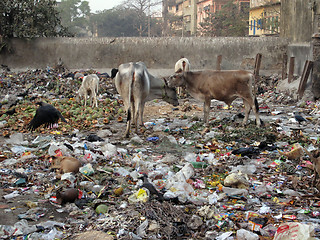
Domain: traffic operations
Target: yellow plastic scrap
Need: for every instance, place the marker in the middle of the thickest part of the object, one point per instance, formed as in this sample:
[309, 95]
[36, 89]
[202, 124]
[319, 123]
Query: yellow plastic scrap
[276, 200]
[227, 107]
[56, 132]
[142, 195]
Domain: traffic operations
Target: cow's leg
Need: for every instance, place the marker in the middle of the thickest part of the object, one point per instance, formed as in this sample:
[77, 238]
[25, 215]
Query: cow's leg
[91, 98]
[255, 108]
[206, 109]
[85, 98]
[141, 114]
[94, 98]
[128, 110]
[136, 114]
[133, 110]
[247, 108]
[251, 104]
[129, 116]
[179, 91]
[95, 95]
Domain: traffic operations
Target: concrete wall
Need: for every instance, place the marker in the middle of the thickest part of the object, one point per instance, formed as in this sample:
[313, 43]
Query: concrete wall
[301, 53]
[78, 53]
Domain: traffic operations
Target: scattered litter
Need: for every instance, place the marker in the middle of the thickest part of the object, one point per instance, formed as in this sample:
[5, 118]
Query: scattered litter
[175, 179]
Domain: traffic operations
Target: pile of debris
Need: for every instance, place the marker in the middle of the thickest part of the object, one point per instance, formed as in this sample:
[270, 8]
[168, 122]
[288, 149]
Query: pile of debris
[177, 179]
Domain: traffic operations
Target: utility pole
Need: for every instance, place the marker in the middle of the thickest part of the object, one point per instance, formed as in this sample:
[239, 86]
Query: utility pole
[149, 20]
[182, 17]
[165, 17]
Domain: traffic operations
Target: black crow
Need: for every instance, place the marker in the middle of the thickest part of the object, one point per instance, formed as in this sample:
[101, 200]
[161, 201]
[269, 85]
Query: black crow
[94, 138]
[11, 111]
[299, 118]
[146, 184]
[46, 115]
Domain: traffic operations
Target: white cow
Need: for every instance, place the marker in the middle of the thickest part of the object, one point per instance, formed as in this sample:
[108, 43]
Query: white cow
[89, 86]
[136, 86]
[182, 65]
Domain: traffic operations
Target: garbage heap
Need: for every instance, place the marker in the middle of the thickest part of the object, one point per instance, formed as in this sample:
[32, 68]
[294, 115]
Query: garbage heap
[176, 179]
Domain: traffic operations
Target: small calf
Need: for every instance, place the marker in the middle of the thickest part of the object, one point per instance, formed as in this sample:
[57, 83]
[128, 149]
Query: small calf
[89, 86]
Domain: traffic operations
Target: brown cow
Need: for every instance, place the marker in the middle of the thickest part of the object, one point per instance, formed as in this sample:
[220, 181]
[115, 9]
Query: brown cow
[224, 86]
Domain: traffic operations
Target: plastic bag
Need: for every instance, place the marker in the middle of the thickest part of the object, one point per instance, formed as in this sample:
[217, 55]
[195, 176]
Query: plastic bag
[246, 235]
[142, 195]
[294, 231]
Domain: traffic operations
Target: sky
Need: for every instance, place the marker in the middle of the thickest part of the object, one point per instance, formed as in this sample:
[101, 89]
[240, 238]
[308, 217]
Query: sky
[99, 5]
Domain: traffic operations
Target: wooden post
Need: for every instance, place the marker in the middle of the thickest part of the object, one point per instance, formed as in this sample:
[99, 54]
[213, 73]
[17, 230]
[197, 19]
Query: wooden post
[316, 66]
[257, 65]
[284, 66]
[219, 60]
[304, 78]
[291, 70]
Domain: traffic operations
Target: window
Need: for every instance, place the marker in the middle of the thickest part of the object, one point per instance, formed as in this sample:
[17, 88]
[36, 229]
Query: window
[273, 24]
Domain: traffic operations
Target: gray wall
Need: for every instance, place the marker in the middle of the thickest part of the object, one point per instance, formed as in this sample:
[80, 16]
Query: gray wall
[301, 52]
[155, 52]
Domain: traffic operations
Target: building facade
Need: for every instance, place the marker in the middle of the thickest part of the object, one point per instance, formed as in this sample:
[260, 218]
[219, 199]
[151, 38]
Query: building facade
[301, 19]
[204, 7]
[186, 10]
[193, 12]
[264, 17]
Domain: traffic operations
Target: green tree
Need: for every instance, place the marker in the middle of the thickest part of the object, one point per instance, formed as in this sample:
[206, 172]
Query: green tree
[230, 21]
[116, 22]
[143, 10]
[75, 15]
[122, 21]
[27, 19]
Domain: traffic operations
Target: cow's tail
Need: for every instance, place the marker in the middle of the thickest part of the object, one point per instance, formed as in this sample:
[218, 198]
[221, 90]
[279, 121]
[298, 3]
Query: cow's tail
[129, 114]
[253, 77]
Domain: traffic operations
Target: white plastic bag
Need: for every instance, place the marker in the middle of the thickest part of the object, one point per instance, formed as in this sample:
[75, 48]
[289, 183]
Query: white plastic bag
[294, 231]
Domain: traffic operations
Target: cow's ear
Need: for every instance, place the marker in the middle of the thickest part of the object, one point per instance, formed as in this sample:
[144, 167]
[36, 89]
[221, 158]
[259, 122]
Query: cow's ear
[179, 75]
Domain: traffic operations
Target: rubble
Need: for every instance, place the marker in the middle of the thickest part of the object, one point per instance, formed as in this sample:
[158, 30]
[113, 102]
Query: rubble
[176, 179]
